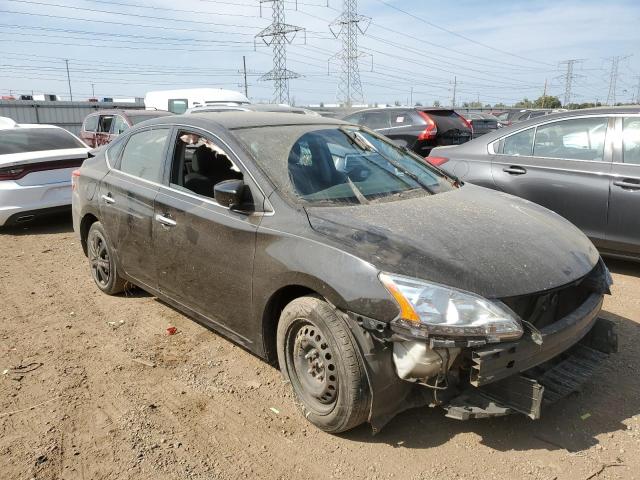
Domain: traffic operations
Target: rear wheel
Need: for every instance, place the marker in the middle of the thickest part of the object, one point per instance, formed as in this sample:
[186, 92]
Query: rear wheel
[103, 266]
[318, 355]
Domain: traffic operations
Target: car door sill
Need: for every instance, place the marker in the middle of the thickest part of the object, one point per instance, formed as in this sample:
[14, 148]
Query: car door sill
[196, 316]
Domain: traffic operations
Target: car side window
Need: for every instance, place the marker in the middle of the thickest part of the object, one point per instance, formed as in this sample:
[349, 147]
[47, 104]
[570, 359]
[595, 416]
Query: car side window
[574, 139]
[631, 140]
[401, 119]
[118, 125]
[520, 143]
[104, 124]
[376, 120]
[199, 163]
[144, 154]
[90, 123]
[355, 118]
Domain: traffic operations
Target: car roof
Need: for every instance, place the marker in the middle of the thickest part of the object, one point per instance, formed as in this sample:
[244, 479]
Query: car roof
[234, 120]
[132, 111]
[402, 109]
[501, 132]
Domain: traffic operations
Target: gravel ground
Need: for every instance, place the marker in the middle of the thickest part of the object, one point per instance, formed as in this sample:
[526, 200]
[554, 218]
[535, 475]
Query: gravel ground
[106, 394]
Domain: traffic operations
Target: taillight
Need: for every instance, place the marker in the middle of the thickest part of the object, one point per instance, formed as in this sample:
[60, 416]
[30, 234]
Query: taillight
[11, 173]
[466, 123]
[431, 130]
[436, 161]
[74, 178]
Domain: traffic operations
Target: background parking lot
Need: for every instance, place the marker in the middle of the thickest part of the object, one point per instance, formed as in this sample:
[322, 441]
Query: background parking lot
[104, 393]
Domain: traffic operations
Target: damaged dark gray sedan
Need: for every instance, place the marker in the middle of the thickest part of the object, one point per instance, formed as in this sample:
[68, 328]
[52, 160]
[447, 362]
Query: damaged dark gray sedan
[376, 282]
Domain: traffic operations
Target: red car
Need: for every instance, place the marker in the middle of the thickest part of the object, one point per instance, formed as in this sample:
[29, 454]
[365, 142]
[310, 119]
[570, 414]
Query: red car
[101, 127]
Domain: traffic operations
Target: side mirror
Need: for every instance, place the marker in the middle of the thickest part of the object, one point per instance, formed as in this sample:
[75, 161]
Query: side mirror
[230, 194]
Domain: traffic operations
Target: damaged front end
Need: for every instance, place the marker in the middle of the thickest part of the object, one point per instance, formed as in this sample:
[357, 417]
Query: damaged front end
[478, 358]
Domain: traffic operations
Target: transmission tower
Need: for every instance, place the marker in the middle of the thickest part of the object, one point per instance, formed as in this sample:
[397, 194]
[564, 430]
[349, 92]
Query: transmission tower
[613, 79]
[637, 100]
[347, 27]
[278, 35]
[569, 77]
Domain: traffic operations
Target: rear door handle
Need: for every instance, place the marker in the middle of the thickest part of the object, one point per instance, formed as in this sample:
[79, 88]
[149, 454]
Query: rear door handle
[514, 170]
[166, 221]
[630, 183]
[108, 199]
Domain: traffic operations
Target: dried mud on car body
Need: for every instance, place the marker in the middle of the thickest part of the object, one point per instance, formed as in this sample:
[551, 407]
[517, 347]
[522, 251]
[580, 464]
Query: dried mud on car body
[208, 409]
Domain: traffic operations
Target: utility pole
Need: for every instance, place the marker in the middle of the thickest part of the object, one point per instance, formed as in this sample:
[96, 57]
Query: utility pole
[278, 35]
[244, 68]
[347, 27]
[93, 93]
[455, 85]
[69, 80]
[544, 93]
[411, 98]
[613, 78]
[637, 100]
[569, 77]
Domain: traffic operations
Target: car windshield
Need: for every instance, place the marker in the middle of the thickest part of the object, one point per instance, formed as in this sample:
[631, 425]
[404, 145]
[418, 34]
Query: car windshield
[20, 140]
[321, 164]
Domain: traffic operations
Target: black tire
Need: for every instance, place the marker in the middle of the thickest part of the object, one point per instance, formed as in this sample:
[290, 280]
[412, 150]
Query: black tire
[319, 357]
[102, 262]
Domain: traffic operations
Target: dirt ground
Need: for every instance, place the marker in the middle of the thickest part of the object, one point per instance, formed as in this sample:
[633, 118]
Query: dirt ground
[106, 394]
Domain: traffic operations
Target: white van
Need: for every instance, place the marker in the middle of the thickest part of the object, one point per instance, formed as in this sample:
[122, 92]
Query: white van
[178, 101]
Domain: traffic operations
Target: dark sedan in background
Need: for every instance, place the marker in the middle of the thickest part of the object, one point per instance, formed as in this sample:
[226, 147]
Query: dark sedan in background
[583, 164]
[418, 129]
[351, 262]
[481, 122]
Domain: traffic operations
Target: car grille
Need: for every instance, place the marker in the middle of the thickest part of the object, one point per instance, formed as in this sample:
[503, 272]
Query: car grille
[544, 308]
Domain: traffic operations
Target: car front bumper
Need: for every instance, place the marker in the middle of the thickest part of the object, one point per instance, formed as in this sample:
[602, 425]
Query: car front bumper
[495, 379]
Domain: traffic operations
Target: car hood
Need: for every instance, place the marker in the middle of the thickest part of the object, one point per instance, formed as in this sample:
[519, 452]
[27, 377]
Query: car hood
[471, 238]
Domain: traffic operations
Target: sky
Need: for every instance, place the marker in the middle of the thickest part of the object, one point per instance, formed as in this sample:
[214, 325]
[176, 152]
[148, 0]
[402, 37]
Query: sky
[496, 51]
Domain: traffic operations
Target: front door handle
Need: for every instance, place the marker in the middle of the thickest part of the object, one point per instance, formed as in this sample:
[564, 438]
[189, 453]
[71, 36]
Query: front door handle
[514, 170]
[166, 221]
[108, 199]
[630, 183]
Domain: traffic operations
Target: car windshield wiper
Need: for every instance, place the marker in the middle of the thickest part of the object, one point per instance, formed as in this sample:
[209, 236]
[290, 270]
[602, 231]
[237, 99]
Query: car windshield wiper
[363, 143]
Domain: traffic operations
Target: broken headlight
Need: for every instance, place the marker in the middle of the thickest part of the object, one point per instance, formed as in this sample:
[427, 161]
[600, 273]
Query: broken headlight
[436, 310]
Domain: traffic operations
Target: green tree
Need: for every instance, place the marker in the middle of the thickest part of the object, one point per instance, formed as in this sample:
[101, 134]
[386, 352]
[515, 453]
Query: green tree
[436, 103]
[524, 103]
[547, 101]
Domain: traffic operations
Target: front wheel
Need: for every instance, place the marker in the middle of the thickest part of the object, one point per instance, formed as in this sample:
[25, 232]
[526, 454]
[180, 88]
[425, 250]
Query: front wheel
[103, 265]
[319, 356]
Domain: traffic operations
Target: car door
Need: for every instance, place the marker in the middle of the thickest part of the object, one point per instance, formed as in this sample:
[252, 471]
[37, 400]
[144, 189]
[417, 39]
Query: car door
[205, 251]
[562, 165]
[88, 131]
[623, 230]
[127, 195]
[118, 126]
[104, 127]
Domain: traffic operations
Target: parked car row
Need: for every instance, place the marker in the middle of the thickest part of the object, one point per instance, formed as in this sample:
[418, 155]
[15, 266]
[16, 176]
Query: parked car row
[376, 281]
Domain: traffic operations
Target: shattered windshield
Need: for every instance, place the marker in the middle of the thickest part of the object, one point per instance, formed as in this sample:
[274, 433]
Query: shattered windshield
[339, 164]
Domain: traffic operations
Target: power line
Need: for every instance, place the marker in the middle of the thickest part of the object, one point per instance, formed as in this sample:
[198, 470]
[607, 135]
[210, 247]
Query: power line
[278, 35]
[346, 27]
[460, 35]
